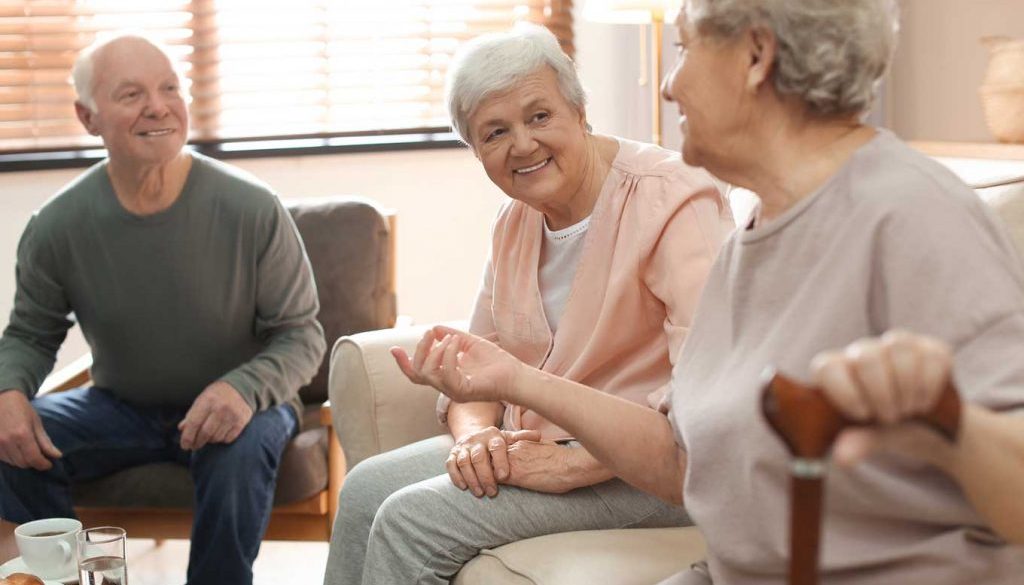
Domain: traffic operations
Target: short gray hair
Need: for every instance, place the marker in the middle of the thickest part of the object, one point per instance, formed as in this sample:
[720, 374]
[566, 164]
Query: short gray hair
[495, 62]
[82, 72]
[831, 53]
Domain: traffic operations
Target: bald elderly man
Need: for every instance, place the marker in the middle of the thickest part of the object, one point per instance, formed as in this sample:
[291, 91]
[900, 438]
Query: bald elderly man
[194, 292]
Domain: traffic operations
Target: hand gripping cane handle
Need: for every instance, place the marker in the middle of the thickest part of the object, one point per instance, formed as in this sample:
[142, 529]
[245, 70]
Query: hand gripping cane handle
[808, 424]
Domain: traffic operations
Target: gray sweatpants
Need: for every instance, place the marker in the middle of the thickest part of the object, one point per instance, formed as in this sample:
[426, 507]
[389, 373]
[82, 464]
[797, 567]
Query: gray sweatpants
[401, 521]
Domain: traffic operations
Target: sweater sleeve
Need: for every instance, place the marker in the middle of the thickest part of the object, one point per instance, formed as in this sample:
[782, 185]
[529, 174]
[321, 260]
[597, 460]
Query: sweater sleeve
[286, 310]
[39, 321]
[679, 267]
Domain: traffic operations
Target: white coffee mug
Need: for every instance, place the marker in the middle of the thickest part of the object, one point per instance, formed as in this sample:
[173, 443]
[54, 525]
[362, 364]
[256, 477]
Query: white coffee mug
[48, 546]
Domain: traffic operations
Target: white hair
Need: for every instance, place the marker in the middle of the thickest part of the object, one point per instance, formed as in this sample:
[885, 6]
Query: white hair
[831, 53]
[83, 71]
[493, 63]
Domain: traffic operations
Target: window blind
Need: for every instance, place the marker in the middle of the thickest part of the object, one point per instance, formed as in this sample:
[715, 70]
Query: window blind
[257, 68]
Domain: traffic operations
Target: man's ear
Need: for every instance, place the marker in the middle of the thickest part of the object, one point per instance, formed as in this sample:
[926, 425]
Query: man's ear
[762, 48]
[86, 117]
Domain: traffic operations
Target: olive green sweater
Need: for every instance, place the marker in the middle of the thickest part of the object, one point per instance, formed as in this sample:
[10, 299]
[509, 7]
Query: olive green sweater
[217, 286]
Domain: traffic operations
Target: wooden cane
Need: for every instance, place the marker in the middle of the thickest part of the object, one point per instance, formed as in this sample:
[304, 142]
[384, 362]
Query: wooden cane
[808, 424]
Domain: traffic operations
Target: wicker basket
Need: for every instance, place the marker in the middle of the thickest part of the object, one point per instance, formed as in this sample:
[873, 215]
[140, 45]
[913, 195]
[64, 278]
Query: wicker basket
[1006, 61]
[1004, 111]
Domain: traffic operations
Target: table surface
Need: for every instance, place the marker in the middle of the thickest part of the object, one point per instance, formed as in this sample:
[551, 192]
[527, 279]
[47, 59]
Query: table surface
[8, 548]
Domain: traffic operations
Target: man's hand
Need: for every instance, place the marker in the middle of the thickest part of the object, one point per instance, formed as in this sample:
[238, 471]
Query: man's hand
[218, 415]
[23, 441]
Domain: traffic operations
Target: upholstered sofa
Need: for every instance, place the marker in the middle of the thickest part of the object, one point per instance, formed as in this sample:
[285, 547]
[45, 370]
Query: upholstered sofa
[376, 409]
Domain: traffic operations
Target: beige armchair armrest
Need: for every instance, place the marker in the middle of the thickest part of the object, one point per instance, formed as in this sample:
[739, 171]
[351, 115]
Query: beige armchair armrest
[375, 408]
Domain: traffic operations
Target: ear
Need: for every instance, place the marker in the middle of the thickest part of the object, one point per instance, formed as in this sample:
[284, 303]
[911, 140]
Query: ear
[86, 117]
[762, 48]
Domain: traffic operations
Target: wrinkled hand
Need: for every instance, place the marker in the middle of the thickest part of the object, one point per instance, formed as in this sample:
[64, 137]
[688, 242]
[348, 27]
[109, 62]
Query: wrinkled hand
[23, 441]
[887, 380]
[541, 466]
[460, 365]
[218, 415]
[479, 461]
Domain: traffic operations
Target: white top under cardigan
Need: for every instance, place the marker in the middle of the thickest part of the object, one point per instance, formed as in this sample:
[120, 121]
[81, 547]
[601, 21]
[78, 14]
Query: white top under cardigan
[559, 256]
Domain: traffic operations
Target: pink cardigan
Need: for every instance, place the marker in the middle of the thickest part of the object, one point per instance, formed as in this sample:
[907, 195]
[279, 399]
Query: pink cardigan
[654, 232]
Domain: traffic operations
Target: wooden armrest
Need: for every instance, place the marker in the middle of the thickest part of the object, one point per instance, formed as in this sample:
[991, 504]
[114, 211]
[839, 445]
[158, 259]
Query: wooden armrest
[70, 376]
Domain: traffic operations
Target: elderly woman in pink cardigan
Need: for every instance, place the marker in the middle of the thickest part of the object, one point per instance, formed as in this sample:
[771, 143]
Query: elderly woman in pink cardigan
[596, 265]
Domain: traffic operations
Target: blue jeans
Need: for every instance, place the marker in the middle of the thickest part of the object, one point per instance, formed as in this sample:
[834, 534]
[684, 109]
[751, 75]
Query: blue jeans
[100, 434]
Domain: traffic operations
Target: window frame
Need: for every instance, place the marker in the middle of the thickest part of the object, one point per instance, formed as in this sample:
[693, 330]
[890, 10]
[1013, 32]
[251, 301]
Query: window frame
[244, 148]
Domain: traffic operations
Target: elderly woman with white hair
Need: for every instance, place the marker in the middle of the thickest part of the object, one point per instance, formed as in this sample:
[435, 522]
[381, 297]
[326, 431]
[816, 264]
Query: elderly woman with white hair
[849, 274]
[596, 265]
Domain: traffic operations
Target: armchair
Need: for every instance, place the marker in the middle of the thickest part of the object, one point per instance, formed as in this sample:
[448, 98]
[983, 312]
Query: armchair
[350, 244]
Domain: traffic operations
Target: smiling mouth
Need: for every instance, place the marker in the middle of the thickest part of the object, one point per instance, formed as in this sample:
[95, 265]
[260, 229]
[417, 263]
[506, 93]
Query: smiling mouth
[534, 168]
[153, 133]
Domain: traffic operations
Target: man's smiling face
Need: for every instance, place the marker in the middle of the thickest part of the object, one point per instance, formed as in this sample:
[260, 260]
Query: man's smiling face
[140, 111]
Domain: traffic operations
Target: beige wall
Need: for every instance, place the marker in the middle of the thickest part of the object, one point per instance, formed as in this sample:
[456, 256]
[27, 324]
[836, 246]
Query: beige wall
[933, 89]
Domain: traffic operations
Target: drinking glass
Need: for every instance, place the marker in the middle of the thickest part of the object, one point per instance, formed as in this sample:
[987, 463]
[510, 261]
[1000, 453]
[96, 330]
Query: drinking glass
[101, 556]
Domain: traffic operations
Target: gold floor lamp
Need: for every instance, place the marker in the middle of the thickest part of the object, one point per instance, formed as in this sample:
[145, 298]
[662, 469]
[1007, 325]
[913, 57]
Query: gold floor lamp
[641, 12]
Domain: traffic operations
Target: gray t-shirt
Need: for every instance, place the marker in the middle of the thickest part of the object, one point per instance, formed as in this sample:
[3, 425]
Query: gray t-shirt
[217, 286]
[893, 240]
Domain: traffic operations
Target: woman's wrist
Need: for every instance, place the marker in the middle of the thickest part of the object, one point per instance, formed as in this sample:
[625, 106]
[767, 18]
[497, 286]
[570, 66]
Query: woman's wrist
[952, 457]
[955, 459]
[466, 418]
[523, 378]
[584, 469]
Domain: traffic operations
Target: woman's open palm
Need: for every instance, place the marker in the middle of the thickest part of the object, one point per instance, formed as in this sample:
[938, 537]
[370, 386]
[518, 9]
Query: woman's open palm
[464, 367]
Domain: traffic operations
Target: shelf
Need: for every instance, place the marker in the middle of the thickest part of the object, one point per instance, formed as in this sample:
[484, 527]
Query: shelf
[980, 165]
[987, 150]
